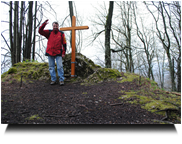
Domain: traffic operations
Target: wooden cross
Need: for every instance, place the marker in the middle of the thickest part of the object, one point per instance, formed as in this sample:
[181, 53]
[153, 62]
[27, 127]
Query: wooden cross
[73, 29]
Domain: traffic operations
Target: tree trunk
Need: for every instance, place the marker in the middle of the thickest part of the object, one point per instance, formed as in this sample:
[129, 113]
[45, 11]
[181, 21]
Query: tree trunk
[11, 34]
[171, 67]
[20, 33]
[29, 33]
[179, 75]
[129, 22]
[163, 66]
[18, 49]
[15, 37]
[107, 35]
[35, 16]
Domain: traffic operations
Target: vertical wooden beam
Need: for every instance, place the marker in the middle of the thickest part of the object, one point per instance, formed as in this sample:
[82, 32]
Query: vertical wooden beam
[73, 47]
[73, 29]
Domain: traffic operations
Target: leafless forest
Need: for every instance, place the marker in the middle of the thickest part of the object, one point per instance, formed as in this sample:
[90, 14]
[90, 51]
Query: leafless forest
[136, 37]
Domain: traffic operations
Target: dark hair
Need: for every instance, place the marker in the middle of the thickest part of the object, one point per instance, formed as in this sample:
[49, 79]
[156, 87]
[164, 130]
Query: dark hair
[55, 23]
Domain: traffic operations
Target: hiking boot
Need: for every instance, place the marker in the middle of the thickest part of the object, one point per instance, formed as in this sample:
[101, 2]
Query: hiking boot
[52, 83]
[61, 83]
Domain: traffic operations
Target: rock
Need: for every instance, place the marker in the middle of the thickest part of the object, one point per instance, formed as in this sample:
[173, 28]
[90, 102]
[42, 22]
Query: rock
[83, 67]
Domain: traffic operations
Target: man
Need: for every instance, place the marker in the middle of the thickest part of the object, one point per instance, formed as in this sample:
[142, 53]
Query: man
[56, 49]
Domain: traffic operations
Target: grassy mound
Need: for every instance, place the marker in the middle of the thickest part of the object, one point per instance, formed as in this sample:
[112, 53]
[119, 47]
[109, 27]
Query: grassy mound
[102, 74]
[29, 70]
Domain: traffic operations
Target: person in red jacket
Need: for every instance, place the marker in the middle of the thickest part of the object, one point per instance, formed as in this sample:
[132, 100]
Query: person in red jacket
[56, 49]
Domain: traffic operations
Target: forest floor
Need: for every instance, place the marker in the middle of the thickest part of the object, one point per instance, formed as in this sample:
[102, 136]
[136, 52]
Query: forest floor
[39, 102]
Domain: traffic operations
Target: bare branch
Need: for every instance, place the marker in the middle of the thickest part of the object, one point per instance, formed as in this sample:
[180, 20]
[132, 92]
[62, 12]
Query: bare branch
[6, 42]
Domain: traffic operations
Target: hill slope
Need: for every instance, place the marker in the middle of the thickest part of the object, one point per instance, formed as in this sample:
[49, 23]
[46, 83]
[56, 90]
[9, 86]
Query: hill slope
[105, 96]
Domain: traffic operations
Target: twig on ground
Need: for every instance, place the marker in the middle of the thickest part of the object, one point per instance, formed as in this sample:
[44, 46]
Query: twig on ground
[116, 104]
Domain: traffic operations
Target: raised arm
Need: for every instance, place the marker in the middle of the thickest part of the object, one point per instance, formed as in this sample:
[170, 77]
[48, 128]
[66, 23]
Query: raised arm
[42, 31]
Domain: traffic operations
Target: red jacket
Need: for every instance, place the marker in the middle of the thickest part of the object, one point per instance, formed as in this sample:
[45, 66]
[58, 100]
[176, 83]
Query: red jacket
[56, 45]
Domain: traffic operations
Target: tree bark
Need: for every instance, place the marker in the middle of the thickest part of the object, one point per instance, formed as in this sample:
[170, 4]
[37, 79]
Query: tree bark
[29, 33]
[35, 16]
[107, 35]
[11, 34]
[15, 37]
[18, 47]
[20, 32]
[179, 76]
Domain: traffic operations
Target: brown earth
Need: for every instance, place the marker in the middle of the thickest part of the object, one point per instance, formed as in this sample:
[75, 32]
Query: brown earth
[42, 103]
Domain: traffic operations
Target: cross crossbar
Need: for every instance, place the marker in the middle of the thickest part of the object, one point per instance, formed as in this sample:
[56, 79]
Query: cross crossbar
[74, 28]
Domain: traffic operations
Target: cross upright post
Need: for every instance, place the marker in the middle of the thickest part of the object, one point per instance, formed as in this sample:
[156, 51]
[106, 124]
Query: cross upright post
[73, 29]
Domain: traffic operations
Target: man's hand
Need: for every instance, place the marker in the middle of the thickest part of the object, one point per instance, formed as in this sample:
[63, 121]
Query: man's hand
[46, 22]
[63, 55]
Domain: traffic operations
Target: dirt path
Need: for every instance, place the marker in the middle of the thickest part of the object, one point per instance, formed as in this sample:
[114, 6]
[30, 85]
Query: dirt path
[39, 102]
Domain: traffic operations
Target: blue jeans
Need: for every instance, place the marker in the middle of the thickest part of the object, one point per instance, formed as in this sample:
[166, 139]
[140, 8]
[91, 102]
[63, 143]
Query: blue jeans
[60, 70]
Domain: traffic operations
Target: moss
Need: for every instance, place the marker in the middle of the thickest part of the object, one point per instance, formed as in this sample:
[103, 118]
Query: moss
[102, 74]
[131, 93]
[29, 70]
[154, 85]
[31, 82]
[12, 70]
[158, 105]
[84, 93]
[144, 99]
[4, 75]
[129, 77]
[33, 117]
[152, 100]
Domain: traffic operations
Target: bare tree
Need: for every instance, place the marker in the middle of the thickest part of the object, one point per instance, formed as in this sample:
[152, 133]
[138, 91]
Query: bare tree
[174, 9]
[27, 51]
[107, 35]
[165, 35]
[11, 33]
[34, 34]
[124, 29]
[15, 36]
[145, 38]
